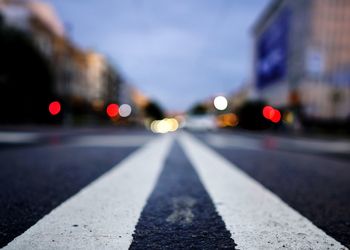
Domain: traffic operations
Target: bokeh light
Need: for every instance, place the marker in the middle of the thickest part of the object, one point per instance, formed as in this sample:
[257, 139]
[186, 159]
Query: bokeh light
[288, 117]
[227, 120]
[220, 103]
[174, 125]
[164, 126]
[112, 110]
[268, 112]
[125, 110]
[276, 116]
[55, 108]
[272, 114]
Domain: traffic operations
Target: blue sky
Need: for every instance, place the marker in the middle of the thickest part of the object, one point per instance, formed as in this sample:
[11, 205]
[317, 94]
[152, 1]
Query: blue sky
[175, 51]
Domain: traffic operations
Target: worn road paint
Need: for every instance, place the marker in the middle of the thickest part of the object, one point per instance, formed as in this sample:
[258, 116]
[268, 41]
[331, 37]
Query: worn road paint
[182, 213]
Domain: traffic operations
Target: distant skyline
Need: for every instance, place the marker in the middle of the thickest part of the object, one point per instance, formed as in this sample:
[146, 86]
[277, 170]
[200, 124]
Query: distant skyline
[176, 52]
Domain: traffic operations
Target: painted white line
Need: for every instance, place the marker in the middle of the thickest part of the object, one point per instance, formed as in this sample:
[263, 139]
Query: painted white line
[240, 142]
[316, 145]
[256, 218]
[111, 140]
[258, 143]
[104, 214]
[18, 137]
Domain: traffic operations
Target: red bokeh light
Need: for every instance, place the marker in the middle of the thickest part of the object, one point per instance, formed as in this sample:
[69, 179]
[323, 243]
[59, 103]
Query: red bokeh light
[271, 114]
[112, 110]
[268, 112]
[55, 108]
[276, 116]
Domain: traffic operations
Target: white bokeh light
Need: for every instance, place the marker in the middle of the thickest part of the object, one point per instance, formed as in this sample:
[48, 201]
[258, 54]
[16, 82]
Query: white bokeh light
[124, 110]
[220, 103]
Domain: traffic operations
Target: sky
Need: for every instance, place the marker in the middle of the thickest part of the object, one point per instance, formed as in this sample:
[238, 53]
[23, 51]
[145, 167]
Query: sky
[177, 52]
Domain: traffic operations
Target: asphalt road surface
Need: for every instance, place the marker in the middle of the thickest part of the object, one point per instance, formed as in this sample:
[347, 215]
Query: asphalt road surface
[131, 189]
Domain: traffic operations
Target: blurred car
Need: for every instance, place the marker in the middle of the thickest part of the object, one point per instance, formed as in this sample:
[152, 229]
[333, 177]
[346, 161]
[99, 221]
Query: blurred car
[200, 122]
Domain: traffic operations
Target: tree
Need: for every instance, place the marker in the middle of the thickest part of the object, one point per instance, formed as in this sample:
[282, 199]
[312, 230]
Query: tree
[154, 111]
[198, 109]
[250, 116]
[26, 79]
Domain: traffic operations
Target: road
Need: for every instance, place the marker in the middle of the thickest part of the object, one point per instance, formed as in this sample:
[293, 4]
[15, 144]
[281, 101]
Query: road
[129, 188]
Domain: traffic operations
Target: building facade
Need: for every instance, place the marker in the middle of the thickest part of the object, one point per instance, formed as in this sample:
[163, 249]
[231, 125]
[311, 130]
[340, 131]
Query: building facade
[85, 81]
[302, 57]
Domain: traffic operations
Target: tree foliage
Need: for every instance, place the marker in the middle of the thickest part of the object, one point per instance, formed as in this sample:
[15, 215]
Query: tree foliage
[26, 79]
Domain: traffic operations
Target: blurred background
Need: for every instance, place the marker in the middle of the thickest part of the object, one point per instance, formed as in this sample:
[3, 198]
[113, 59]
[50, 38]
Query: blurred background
[281, 65]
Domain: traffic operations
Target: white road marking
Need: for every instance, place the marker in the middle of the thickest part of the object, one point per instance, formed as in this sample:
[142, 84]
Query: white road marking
[316, 145]
[18, 137]
[256, 218]
[111, 140]
[233, 141]
[259, 143]
[104, 214]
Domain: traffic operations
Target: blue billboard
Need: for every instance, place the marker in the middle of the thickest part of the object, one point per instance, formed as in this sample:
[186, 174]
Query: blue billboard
[272, 49]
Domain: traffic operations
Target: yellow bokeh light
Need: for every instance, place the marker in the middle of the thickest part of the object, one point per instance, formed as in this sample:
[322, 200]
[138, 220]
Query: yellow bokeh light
[164, 126]
[288, 117]
[227, 120]
[153, 126]
[174, 125]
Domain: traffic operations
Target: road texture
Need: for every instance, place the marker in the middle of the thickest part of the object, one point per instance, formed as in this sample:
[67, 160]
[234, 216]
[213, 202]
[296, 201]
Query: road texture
[120, 188]
[313, 180]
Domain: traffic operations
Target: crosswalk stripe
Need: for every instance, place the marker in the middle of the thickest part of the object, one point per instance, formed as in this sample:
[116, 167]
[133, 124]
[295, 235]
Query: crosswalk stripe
[104, 214]
[256, 218]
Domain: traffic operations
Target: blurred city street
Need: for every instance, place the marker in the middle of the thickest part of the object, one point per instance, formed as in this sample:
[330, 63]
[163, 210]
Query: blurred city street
[89, 188]
[187, 124]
